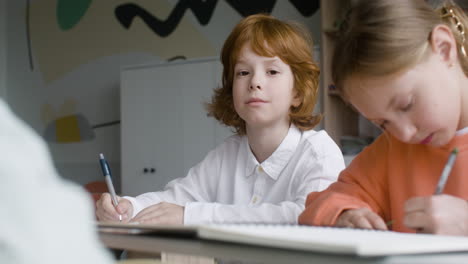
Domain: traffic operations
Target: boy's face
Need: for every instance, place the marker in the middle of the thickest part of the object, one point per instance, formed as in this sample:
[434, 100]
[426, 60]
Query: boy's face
[263, 90]
[419, 106]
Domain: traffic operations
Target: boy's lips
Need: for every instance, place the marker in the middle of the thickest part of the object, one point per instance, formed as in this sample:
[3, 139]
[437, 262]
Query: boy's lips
[427, 139]
[255, 100]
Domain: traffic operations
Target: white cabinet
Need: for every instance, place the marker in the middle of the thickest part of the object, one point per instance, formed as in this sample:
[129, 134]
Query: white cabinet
[165, 128]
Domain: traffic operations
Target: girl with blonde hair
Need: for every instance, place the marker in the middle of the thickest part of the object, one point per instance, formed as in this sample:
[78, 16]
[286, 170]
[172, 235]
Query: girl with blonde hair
[402, 65]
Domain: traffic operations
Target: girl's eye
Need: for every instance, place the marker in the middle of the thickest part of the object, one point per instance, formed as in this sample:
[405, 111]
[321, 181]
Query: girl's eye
[407, 107]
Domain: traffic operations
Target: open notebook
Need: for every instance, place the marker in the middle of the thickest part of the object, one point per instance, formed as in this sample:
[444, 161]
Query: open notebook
[358, 242]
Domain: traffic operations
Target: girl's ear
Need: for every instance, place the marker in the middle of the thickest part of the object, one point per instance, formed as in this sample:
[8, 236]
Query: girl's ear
[444, 44]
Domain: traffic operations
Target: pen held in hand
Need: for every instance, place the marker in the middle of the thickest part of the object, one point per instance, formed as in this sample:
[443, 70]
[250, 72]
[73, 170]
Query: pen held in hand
[446, 171]
[443, 177]
[107, 176]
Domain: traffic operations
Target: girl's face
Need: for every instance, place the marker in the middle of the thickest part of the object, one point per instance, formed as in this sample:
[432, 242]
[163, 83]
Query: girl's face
[419, 106]
[263, 90]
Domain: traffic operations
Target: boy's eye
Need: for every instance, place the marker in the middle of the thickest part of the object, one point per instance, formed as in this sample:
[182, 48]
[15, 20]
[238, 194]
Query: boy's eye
[243, 73]
[273, 72]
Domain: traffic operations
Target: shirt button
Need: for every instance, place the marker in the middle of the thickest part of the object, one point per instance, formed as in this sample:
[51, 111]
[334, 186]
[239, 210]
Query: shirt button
[260, 169]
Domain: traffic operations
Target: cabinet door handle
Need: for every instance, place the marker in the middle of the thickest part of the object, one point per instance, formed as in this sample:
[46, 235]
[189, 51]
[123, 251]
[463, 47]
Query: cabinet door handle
[145, 170]
[152, 170]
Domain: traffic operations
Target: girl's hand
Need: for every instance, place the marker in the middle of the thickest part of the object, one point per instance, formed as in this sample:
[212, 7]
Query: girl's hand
[360, 218]
[437, 214]
[161, 213]
[105, 210]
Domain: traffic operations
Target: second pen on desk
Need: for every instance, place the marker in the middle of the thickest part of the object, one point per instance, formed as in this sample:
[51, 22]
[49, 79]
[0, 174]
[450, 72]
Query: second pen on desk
[107, 175]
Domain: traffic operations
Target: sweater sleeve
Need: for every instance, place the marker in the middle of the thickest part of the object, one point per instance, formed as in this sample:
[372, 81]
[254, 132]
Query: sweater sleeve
[362, 184]
[44, 218]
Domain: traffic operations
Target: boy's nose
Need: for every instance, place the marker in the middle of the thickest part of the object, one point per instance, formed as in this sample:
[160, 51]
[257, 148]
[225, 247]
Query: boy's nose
[256, 82]
[255, 86]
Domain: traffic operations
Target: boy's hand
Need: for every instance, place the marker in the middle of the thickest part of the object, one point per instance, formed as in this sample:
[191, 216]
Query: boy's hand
[437, 214]
[360, 218]
[105, 210]
[161, 213]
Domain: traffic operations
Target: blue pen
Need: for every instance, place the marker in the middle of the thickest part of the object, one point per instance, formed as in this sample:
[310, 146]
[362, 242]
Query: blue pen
[107, 175]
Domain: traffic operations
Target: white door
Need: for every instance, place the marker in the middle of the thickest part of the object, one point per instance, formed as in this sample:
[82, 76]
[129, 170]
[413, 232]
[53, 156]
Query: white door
[165, 130]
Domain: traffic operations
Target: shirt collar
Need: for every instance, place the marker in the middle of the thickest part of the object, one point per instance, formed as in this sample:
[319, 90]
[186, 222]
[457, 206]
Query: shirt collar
[274, 164]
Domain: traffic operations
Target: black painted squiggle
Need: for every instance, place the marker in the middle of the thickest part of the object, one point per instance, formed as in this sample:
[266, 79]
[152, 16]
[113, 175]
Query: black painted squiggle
[307, 7]
[203, 10]
[249, 7]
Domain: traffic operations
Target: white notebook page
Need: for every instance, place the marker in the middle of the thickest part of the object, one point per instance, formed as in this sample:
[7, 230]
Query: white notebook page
[334, 240]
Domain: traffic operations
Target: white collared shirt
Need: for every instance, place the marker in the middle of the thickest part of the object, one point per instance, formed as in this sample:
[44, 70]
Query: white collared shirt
[229, 185]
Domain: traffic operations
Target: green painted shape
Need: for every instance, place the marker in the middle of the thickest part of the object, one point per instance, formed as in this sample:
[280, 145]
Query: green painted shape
[70, 12]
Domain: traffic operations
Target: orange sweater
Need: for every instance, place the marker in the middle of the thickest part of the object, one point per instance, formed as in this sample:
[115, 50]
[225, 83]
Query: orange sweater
[386, 174]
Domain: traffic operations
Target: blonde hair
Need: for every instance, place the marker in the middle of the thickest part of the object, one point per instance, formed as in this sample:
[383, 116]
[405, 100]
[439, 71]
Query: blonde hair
[269, 37]
[381, 37]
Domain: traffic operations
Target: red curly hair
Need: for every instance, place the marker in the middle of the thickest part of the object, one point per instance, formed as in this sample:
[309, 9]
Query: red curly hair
[269, 37]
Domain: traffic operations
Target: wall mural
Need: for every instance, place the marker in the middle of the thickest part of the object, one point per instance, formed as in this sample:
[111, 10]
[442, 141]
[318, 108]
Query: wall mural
[64, 35]
[65, 125]
[203, 10]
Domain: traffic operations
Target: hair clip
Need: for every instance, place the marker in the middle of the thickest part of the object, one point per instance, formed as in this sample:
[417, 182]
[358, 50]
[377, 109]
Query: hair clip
[448, 12]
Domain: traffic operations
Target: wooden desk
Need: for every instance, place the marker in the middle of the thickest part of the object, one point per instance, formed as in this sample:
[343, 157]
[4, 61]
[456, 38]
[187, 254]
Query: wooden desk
[257, 254]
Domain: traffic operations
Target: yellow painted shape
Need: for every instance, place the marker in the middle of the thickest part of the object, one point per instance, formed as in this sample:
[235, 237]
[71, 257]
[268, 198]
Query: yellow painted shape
[49, 114]
[67, 129]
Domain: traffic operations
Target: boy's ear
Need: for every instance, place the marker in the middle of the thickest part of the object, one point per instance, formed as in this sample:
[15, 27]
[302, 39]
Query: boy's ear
[444, 44]
[297, 100]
